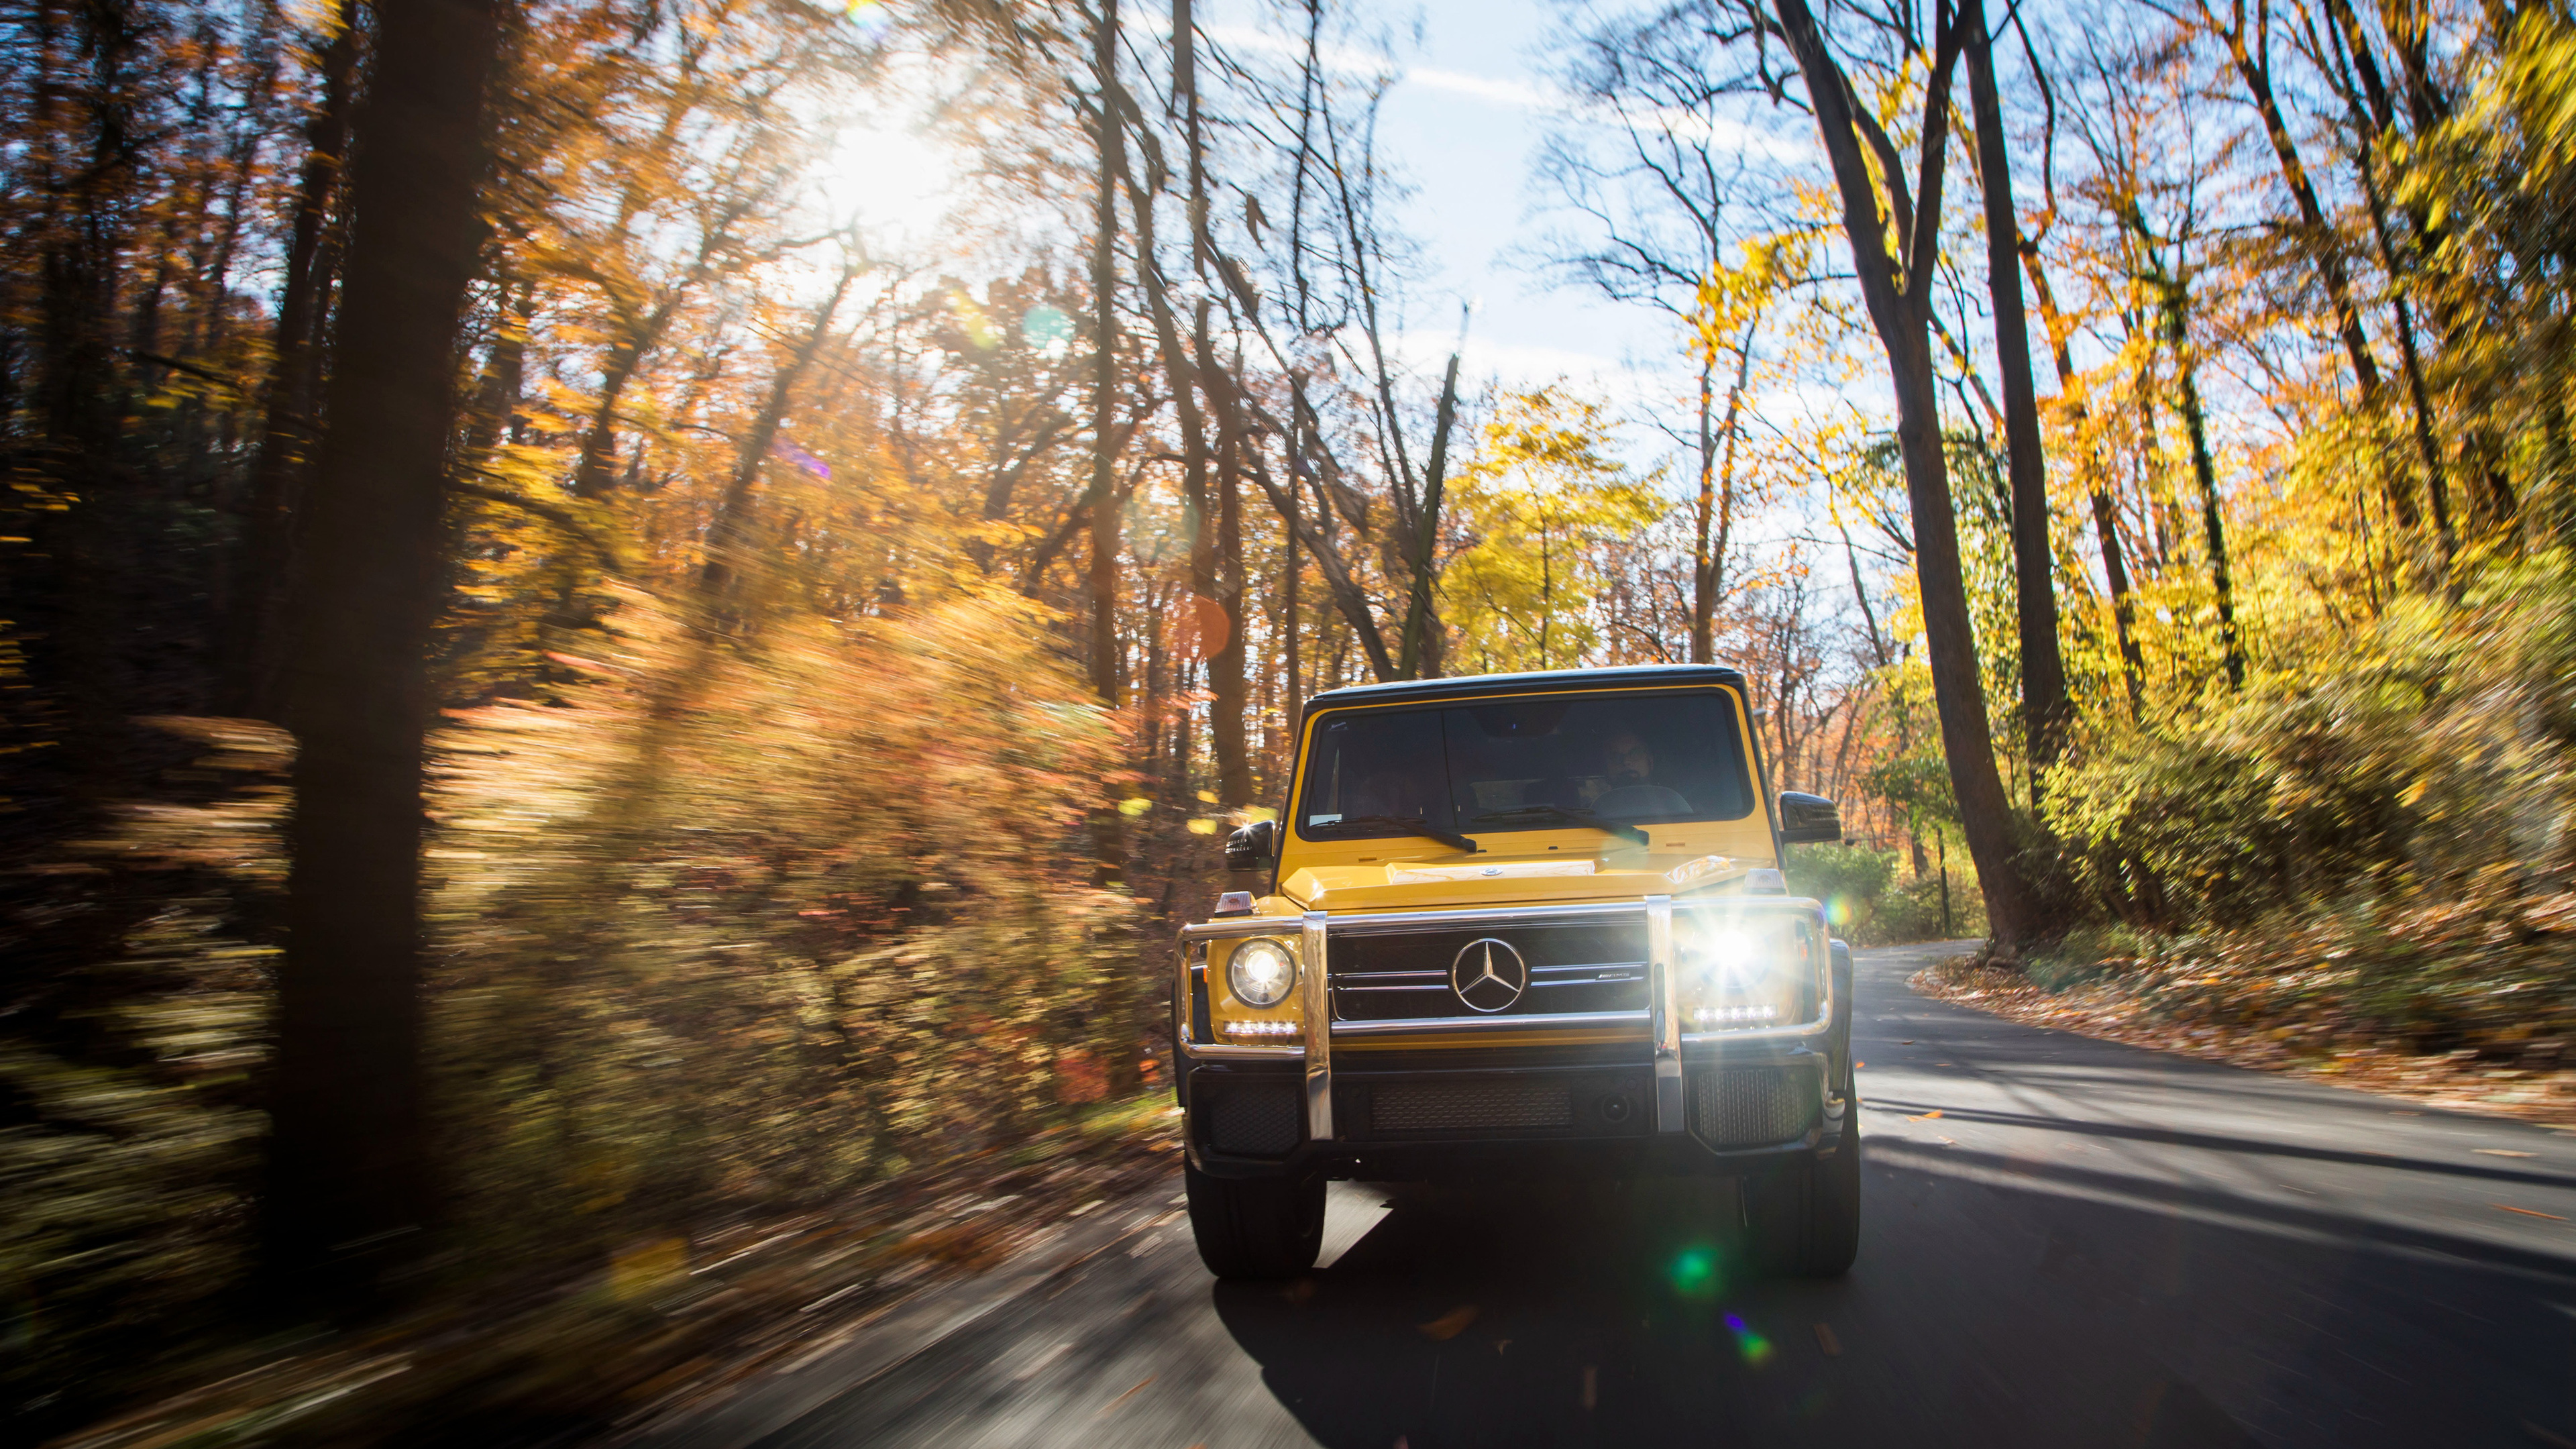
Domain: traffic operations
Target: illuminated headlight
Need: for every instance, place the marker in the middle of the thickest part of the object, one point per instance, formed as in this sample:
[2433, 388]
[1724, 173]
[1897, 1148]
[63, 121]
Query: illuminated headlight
[1737, 972]
[1261, 973]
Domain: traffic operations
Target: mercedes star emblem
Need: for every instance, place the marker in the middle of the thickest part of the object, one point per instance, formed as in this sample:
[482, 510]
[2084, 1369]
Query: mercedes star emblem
[1488, 975]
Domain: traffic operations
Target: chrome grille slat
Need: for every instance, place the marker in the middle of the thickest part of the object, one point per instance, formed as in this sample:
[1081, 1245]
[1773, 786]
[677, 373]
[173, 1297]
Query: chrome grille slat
[1589, 964]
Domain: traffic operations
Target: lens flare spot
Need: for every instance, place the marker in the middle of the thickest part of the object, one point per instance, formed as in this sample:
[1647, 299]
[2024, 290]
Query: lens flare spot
[1048, 330]
[1695, 1272]
[1753, 1346]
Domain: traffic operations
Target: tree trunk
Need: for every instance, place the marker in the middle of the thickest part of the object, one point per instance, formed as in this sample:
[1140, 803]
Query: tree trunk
[1226, 710]
[730, 531]
[2106, 520]
[2257, 75]
[1226, 691]
[1109, 848]
[86, 113]
[349, 1182]
[1703, 626]
[1295, 699]
[2204, 470]
[252, 636]
[1898, 289]
[1420, 652]
[2046, 711]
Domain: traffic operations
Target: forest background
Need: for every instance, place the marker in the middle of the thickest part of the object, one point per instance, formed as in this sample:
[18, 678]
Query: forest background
[564, 681]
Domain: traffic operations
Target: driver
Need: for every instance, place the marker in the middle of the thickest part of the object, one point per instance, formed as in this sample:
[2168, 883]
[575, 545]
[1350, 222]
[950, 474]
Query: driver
[1629, 765]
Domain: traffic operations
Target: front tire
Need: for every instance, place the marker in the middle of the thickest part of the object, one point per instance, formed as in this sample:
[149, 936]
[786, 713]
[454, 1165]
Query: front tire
[1805, 1217]
[1259, 1227]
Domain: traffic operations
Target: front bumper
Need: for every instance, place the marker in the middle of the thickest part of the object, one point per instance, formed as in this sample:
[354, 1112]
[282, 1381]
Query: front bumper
[1623, 1094]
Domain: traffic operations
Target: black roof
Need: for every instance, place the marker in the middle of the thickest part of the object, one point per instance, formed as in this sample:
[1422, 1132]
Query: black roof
[1626, 676]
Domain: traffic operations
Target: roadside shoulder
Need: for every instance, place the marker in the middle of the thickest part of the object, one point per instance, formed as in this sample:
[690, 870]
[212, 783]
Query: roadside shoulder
[2104, 1009]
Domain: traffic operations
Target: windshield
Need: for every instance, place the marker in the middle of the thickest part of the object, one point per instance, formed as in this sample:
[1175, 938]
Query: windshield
[1527, 764]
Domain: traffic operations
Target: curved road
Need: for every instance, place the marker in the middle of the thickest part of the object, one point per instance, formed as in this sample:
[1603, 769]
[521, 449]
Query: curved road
[2089, 1244]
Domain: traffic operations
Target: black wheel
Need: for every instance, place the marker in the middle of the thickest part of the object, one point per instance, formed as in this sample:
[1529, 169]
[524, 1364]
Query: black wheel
[1260, 1227]
[1805, 1217]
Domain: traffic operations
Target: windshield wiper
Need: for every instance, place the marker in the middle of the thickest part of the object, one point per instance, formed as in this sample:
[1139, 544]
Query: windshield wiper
[1570, 816]
[1414, 823]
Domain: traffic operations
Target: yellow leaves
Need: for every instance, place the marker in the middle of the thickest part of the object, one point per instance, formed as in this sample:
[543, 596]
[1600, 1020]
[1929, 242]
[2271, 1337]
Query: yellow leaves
[1543, 502]
[1734, 299]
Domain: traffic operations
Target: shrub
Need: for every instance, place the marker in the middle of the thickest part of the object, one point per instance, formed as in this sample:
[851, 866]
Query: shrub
[1848, 878]
[1911, 911]
[2372, 852]
[1868, 906]
[2443, 749]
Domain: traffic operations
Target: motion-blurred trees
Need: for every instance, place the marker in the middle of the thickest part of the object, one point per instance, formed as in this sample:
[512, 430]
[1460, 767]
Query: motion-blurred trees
[797, 578]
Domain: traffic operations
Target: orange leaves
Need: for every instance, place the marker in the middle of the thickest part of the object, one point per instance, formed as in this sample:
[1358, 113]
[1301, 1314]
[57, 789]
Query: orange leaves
[1450, 1324]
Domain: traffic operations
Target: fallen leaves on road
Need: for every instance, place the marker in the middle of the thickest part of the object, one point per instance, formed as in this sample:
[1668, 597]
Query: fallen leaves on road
[1825, 1340]
[1448, 1325]
[1122, 1398]
[2526, 1212]
[1926, 1117]
[2500, 1152]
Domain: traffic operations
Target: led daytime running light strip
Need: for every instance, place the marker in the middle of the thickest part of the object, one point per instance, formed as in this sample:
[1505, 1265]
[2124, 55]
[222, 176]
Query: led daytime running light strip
[1259, 1028]
[1734, 1015]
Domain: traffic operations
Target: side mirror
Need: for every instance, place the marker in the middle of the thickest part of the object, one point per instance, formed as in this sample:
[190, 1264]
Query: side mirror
[1809, 819]
[1252, 847]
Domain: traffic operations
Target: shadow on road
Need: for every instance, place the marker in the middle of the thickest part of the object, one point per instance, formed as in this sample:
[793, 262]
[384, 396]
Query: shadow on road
[1994, 1304]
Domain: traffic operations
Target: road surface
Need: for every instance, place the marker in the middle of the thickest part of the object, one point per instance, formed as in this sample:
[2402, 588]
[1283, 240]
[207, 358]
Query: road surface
[2067, 1242]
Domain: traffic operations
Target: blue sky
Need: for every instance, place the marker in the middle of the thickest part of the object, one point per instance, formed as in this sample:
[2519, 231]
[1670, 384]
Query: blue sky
[1462, 128]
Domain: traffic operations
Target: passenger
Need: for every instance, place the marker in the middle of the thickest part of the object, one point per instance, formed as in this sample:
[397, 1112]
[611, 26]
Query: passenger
[1629, 766]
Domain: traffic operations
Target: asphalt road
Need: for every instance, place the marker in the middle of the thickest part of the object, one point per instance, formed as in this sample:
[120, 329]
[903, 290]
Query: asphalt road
[2067, 1242]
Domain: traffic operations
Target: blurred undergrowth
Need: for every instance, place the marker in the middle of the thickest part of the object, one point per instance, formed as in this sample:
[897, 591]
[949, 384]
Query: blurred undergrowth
[2371, 851]
[715, 930]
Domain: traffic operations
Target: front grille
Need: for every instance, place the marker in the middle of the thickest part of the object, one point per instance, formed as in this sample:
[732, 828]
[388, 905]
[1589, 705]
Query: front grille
[1571, 969]
[1494, 1104]
[1753, 1106]
[1255, 1118]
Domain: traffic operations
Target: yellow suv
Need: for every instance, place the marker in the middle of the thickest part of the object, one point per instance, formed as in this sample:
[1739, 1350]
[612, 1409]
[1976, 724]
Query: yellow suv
[1517, 925]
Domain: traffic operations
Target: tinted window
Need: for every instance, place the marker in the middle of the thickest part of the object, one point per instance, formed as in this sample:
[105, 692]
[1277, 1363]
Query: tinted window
[1526, 764]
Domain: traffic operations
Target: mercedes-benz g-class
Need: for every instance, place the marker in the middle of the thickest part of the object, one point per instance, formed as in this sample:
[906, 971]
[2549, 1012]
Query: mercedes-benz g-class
[1520, 925]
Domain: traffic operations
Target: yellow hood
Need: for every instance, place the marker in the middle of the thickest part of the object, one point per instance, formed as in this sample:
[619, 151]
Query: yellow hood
[1485, 880]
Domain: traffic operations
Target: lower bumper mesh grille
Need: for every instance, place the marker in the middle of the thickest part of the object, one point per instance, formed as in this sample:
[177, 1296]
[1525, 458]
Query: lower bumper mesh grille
[1257, 1120]
[1753, 1106]
[1470, 1106]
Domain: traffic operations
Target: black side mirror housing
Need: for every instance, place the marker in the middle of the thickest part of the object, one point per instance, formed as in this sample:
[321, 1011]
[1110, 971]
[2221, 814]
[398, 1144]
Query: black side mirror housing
[1253, 846]
[1809, 819]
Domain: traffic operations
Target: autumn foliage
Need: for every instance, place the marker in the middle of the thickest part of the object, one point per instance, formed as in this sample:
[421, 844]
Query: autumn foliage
[819, 636]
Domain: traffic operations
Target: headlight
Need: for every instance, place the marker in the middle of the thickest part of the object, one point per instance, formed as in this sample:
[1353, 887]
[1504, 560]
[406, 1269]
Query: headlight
[1261, 973]
[1741, 971]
